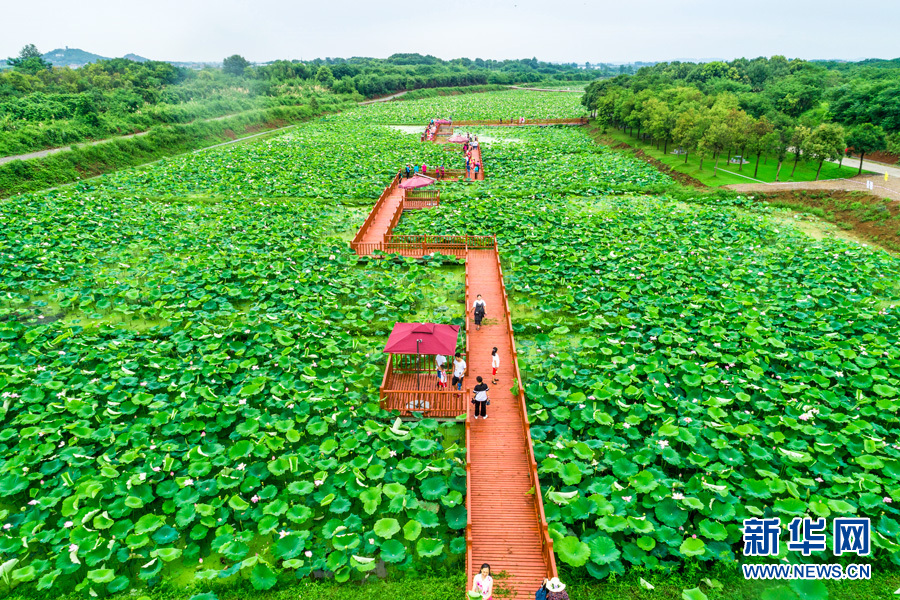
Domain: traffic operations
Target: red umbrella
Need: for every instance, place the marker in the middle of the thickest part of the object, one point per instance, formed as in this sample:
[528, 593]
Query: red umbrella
[457, 138]
[436, 339]
[417, 182]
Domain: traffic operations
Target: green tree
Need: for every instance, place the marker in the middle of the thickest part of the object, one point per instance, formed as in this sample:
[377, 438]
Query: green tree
[741, 132]
[325, 77]
[826, 142]
[235, 65]
[866, 138]
[688, 132]
[29, 60]
[781, 144]
[718, 135]
[761, 138]
[798, 140]
[660, 122]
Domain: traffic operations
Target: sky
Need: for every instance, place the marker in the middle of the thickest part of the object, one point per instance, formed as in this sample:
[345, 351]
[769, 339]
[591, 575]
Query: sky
[556, 30]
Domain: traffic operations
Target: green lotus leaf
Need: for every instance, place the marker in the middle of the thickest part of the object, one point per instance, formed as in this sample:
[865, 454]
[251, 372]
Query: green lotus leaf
[428, 547]
[386, 527]
[692, 547]
[392, 551]
[573, 551]
[262, 577]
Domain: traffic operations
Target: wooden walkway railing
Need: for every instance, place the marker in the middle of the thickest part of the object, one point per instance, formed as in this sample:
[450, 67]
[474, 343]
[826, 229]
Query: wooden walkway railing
[506, 122]
[415, 199]
[546, 541]
[408, 387]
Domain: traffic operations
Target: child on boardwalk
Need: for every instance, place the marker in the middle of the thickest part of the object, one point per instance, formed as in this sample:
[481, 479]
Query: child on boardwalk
[495, 364]
[441, 378]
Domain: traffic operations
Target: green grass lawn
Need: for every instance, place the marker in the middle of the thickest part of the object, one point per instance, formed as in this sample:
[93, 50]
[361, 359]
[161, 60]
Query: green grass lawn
[729, 174]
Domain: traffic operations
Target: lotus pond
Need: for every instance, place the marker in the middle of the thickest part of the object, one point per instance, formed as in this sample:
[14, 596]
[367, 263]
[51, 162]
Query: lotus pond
[691, 365]
[190, 357]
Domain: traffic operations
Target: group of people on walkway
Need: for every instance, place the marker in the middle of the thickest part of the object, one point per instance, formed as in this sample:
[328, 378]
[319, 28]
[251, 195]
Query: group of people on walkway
[472, 167]
[412, 170]
[483, 584]
[458, 371]
[458, 368]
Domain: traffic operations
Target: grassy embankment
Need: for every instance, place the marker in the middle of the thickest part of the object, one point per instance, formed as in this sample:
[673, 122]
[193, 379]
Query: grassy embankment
[729, 174]
[19, 176]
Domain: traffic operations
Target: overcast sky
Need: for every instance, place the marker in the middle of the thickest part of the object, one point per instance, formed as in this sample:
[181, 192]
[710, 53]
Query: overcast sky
[551, 30]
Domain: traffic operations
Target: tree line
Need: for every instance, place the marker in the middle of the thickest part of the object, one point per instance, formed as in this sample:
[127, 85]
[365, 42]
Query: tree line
[785, 109]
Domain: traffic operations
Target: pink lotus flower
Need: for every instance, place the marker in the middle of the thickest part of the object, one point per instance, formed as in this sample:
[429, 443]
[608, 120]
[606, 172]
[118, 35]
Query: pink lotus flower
[254, 499]
[887, 499]
[73, 547]
[627, 498]
[68, 524]
[156, 469]
[32, 502]
[308, 553]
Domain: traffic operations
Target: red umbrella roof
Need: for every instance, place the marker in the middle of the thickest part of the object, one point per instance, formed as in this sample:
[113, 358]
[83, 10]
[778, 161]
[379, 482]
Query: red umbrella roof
[416, 182]
[436, 338]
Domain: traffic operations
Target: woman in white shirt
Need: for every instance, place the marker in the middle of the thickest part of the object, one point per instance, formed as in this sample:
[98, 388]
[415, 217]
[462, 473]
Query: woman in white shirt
[484, 583]
[495, 364]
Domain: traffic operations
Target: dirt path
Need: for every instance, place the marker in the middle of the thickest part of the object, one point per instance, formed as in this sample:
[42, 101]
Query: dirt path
[385, 99]
[49, 151]
[886, 189]
[516, 87]
[876, 167]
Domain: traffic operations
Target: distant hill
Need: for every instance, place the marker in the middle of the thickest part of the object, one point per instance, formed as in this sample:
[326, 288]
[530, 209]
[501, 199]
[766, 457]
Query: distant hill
[136, 58]
[75, 57]
[71, 57]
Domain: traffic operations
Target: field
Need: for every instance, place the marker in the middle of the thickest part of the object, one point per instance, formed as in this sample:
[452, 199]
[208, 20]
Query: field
[191, 356]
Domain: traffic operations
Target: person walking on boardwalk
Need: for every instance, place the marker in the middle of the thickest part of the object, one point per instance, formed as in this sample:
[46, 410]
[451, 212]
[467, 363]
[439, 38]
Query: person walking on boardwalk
[424, 169]
[408, 170]
[483, 583]
[477, 167]
[459, 371]
[481, 398]
[478, 308]
[556, 589]
[495, 364]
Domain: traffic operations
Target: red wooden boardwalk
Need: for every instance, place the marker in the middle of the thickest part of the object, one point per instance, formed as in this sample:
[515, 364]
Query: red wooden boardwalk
[506, 524]
[507, 531]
